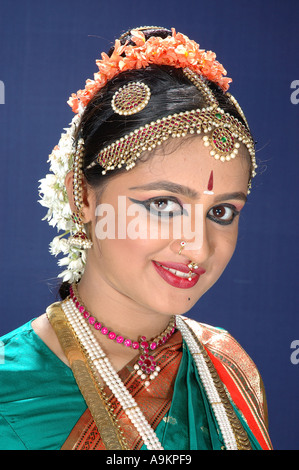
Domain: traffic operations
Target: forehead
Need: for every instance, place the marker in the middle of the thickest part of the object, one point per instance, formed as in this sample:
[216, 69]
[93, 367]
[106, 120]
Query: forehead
[187, 161]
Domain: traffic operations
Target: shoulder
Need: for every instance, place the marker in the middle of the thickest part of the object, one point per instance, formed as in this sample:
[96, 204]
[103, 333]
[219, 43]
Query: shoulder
[29, 348]
[20, 338]
[242, 371]
[28, 367]
[22, 360]
[220, 343]
[46, 333]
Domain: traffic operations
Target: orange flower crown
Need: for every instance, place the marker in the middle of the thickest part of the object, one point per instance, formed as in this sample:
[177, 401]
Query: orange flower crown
[176, 50]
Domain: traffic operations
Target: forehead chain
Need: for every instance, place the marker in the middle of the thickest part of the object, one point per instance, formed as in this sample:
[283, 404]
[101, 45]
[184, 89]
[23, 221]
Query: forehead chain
[222, 132]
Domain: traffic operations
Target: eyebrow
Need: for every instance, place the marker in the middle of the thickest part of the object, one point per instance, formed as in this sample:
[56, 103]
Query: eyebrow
[237, 195]
[186, 191]
[169, 186]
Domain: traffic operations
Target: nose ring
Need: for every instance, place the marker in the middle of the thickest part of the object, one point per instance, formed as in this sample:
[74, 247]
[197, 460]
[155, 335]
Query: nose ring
[191, 265]
[183, 244]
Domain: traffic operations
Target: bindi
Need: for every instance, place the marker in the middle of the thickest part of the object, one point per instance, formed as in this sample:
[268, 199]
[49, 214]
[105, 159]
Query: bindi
[210, 184]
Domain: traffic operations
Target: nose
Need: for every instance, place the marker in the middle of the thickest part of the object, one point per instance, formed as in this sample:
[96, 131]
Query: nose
[197, 251]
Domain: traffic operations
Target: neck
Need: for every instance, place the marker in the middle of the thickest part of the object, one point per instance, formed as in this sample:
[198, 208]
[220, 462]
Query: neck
[120, 314]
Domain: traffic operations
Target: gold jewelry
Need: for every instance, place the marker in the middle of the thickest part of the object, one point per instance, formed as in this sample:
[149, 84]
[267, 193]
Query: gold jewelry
[226, 133]
[232, 431]
[192, 265]
[183, 244]
[90, 387]
[131, 98]
[79, 239]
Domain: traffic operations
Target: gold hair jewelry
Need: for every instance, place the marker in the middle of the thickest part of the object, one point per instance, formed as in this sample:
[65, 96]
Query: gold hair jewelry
[79, 239]
[131, 98]
[226, 133]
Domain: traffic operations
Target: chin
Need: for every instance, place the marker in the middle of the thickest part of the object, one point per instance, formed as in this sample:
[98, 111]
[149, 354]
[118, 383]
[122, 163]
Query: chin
[175, 306]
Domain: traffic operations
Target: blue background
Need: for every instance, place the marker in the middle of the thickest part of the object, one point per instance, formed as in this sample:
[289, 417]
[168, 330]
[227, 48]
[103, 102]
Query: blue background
[48, 49]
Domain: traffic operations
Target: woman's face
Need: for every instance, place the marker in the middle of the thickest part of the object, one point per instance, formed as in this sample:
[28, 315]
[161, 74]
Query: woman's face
[185, 195]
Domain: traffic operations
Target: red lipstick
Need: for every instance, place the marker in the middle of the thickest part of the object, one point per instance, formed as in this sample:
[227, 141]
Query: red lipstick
[173, 279]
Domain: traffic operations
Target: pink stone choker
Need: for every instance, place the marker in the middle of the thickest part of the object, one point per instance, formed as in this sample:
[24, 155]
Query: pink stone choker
[146, 366]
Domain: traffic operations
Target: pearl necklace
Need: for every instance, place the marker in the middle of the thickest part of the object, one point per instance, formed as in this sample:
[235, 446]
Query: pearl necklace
[106, 371]
[104, 368]
[146, 366]
[209, 385]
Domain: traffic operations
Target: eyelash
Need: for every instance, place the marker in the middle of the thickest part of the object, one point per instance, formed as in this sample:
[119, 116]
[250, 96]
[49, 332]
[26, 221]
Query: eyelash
[235, 212]
[147, 204]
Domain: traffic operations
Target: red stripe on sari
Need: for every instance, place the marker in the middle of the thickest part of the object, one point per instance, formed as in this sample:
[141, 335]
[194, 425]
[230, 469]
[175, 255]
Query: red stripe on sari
[239, 401]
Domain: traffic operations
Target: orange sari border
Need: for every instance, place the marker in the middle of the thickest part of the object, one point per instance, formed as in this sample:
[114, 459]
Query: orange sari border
[257, 426]
[239, 374]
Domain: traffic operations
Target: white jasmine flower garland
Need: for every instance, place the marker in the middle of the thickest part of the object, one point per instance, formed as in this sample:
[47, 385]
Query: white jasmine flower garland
[53, 195]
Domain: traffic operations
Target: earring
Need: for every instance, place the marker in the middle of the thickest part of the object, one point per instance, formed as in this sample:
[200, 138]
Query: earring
[79, 239]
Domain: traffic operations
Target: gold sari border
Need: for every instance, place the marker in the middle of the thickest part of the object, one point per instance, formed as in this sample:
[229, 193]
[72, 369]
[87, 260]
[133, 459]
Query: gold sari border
[90, 390]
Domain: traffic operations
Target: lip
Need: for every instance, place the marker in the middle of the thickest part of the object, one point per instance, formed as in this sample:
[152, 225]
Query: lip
[172, 279]
[182, 267]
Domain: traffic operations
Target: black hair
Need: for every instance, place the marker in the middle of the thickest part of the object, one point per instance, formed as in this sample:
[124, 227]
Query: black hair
[171, 92]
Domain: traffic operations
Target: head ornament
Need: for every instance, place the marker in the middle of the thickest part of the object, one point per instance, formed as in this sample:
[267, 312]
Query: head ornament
[131, 98]
[225, 133]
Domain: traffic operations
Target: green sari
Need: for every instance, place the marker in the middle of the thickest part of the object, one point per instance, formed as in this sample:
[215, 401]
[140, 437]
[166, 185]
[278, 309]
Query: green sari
[192, 426]
[43, 405]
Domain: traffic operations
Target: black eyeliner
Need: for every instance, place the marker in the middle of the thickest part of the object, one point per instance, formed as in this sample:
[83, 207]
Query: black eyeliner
[147, 203]
[224, 222]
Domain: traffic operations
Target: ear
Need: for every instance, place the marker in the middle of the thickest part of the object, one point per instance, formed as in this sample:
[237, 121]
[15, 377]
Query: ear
[88, 198]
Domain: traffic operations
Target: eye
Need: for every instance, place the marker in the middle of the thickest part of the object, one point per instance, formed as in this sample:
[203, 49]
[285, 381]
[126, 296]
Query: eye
[162, 206]
[223, 214]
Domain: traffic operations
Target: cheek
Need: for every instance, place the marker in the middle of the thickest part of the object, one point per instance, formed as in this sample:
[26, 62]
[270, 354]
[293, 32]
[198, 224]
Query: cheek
[228, 246]
[225, 243]
[124, 256]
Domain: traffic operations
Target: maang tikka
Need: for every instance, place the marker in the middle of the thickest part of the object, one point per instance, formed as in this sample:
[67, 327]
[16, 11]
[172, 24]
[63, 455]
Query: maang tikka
[79, 239]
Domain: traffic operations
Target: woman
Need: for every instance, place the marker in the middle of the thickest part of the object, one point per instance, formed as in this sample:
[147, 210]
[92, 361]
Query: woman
[149, 181]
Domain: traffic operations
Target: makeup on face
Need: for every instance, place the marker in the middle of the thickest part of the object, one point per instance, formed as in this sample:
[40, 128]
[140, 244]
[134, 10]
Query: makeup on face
[209, 189]
[178, 274]
[170, 190]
